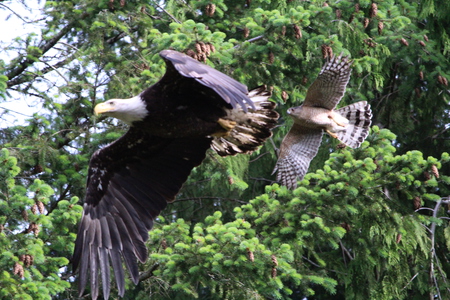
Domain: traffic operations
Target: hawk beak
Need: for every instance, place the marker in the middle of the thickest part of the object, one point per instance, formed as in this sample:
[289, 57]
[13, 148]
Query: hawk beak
[102, 108]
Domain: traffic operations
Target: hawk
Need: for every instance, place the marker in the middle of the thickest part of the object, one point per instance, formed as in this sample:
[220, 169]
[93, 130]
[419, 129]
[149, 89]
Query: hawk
[349, 124]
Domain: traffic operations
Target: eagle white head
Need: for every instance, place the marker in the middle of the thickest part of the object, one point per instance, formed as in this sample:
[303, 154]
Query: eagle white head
[126, 110]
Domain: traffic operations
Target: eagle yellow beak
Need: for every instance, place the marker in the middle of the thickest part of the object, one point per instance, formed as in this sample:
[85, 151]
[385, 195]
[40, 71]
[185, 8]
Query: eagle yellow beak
[102, 108]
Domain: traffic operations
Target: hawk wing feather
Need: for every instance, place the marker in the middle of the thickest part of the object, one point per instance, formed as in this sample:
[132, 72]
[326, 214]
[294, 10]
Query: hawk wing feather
[297, 150]
[329, 87]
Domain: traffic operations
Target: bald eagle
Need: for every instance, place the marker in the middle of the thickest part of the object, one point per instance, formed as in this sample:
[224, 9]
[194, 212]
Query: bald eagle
[192, 108]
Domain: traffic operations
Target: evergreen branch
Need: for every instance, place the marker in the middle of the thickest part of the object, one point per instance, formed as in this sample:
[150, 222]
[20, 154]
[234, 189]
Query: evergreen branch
[259, 156]
[149, 273]
[410, 281]
[263, 179]
[345, 251]
[12, 73]
[167, 13]
[210, 198]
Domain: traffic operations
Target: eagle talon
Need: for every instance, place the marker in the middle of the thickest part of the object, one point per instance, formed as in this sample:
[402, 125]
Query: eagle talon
[226, 124]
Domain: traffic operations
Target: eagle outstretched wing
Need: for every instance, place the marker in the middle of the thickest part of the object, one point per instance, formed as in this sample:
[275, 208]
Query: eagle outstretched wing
[231, 91]
[129, 183]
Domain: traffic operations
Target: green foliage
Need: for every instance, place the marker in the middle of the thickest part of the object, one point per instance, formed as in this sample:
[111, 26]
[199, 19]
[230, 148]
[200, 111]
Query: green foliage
[364, 223]
[35, 242]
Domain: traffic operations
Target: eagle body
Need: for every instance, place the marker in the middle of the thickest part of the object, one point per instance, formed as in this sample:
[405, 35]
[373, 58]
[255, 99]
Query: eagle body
[192, 108]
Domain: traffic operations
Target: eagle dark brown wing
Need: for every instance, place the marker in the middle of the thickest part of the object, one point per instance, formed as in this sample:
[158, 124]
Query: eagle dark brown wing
[231, 91]
[130, 182]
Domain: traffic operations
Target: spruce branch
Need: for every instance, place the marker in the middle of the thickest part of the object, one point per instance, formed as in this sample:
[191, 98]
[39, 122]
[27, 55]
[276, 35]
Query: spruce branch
[24, 63]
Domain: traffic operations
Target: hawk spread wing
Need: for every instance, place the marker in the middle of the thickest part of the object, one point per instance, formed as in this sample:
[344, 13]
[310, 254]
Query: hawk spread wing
[297, 150]
[329, 87]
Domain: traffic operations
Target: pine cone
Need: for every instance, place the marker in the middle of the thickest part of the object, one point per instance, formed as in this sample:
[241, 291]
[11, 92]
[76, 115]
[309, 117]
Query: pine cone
[18, 269]
[421, 75]
[404, 42]
[380, 27]
[211, 47]
[274, 260]
[338, 14]
[33, 227]
[203, 47]
[210, 9]
[27, 260]
[251, 256]
[330, 52]
[442, 80]
[346, 226]
[422, 43]
[357, 7]
[284, 96]
[325, 4]
[297, 31]
[425, 37]
[366, 22]
[271, 57]
[198, 47]
[34, 209]
[373, 10]
[38, 169]
[352, 17]
[399, 238]
[25, 215]
[164, 244]
[274, 272]
[246, 32]
[283, 30]
[417, 203]
[202, 57]
[324, 49]
[435, 171]
[341, 146]
[41, 207]
[417, 91]
[191, 53]
[122, 3]
[230, 180]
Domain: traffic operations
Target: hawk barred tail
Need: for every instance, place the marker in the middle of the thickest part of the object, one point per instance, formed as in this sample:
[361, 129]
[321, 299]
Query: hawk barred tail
[251, 128]
[359, 116]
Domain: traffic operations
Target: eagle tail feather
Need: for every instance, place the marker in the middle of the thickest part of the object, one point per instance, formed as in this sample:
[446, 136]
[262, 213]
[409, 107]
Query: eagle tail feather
[253, 127]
